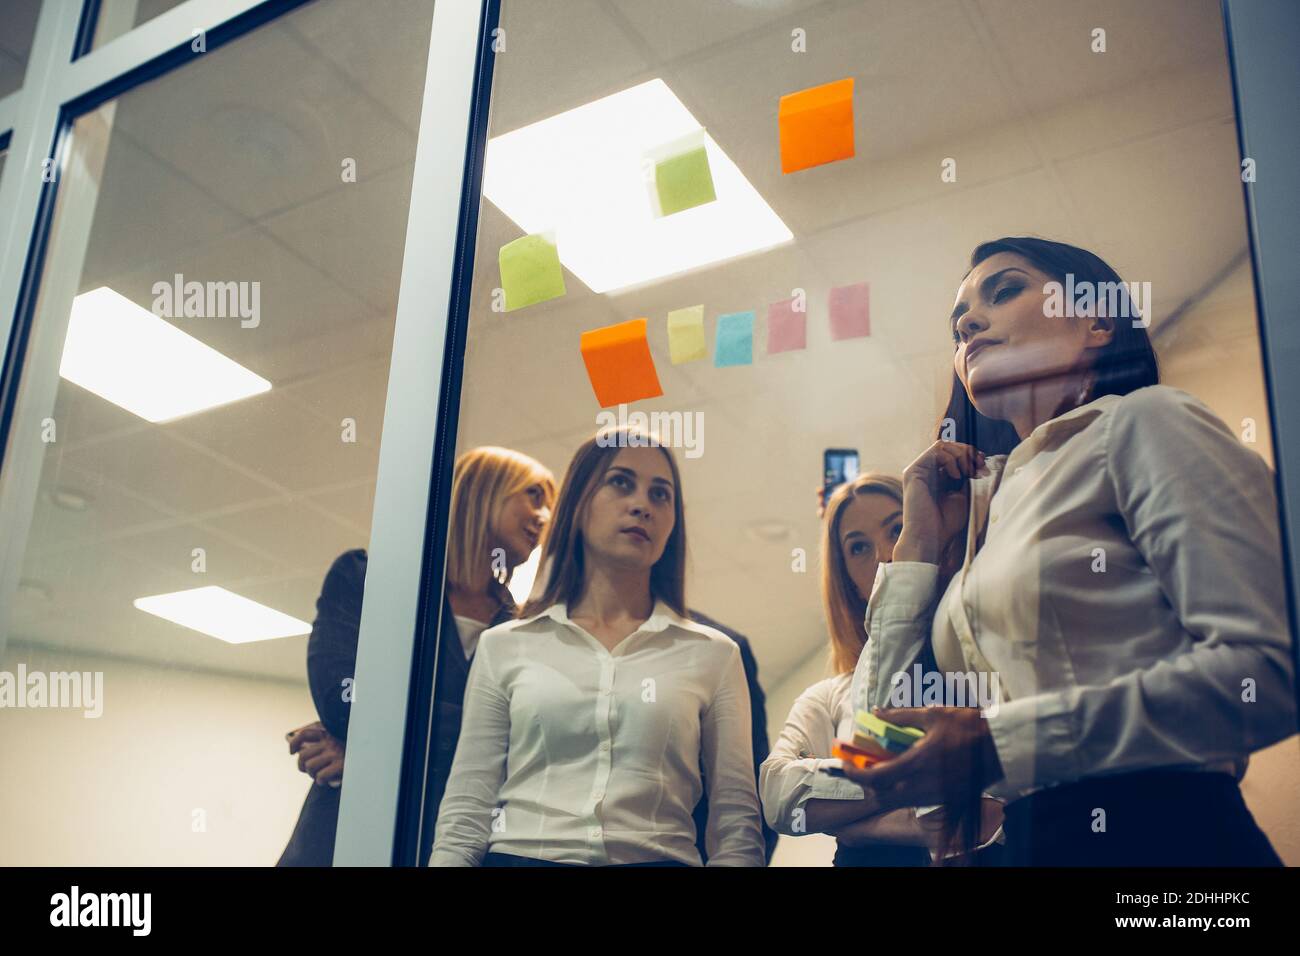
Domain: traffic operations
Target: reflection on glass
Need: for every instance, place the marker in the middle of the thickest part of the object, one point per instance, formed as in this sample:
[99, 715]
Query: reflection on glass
[198, 433]
[1091, 390]
[17, 27]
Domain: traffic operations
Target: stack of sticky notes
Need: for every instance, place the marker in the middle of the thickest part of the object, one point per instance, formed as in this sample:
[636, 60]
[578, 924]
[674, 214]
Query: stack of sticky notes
[530, 271]
[867, 727]
[816, 125]
[619, 363]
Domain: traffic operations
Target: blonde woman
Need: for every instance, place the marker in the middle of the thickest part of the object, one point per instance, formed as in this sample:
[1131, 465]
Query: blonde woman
[500, 503]
[588, 720]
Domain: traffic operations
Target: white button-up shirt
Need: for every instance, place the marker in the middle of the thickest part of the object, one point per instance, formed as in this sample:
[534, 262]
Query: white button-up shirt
[574, 753]
[792, 774]
[1128, 596]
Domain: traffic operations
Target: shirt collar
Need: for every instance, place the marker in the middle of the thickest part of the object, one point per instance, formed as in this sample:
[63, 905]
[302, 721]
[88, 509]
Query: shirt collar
[1063, 426]
[661, 617]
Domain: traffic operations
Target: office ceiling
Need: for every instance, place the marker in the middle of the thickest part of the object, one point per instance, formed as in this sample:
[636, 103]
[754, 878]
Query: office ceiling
[229, 169]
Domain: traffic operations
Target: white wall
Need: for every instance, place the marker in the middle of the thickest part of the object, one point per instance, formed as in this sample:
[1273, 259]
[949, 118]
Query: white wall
[121, 789]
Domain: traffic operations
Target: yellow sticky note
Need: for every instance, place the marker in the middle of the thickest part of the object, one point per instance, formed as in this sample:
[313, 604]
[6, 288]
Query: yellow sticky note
[686, 335]
[530, 271]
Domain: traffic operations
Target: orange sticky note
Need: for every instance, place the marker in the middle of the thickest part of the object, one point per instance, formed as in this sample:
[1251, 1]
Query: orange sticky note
[816, 125]
[619, 363]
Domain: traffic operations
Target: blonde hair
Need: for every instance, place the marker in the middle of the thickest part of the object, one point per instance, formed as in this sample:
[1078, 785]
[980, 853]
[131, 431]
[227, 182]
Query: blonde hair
[562, 553]
[845, 608]
[481, 482]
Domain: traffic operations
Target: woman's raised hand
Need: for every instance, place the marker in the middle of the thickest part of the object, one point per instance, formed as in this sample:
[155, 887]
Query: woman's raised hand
[935, 499]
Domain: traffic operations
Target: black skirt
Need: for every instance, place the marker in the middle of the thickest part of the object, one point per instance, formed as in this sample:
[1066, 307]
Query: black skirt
[1148, 818]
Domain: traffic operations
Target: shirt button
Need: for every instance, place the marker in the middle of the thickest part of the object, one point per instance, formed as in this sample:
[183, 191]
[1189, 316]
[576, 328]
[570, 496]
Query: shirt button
[993, 519]
[594, 833]
[1019, 469]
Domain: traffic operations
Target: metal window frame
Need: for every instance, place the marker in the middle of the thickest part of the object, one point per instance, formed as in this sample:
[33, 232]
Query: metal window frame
[1261, 37]
[63, 82]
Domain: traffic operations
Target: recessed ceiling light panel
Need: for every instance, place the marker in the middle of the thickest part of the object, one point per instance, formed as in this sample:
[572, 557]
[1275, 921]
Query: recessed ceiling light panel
[222, 614]
[583, 174]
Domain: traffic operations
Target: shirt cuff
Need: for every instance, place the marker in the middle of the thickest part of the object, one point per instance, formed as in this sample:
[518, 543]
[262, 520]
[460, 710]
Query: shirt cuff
[1035, 741]
[826, 787]
[906, 587]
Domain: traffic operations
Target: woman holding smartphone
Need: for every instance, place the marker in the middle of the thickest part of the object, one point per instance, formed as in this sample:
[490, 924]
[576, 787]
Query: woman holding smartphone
[862, 522]
[587, 720]
[1121, 576]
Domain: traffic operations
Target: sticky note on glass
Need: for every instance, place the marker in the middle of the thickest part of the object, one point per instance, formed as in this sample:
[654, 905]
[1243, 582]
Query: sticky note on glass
[686, 335]
[787, 329]
[619, 363]
[816, 125]
[680, 177]
[530, 271]
[735, 340]
[850, 308]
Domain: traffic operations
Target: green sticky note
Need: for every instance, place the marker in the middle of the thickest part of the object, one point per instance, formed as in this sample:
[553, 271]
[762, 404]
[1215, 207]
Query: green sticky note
[686, 335]
[530, 272]
[684, 181]
[735, 340]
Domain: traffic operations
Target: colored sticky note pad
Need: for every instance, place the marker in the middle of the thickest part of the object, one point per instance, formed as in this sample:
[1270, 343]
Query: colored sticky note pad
[684, 181]
[619, 363]
[892, 737]
[787, 329]
[850, 308]
[686, 335]
[735, 340]
[816, 125]
[530, 271]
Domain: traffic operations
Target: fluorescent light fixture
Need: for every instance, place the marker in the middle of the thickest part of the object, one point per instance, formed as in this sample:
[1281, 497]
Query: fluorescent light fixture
[582, 174]
[222, 614]
[127, 355]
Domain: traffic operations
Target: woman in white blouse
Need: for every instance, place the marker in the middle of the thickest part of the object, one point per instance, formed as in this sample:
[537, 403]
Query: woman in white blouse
[862, 522]
[1120, 577]
[588, 719]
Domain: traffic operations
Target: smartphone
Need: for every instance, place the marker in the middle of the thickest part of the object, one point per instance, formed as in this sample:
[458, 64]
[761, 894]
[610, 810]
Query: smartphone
[838, 466]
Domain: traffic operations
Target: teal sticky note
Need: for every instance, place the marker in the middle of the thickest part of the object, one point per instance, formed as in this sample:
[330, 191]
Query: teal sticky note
[735, 340]
[530, 271]
[684, 181]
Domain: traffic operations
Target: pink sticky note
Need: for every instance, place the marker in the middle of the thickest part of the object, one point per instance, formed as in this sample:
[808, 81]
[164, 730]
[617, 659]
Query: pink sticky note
[787, 330]
[851, 311]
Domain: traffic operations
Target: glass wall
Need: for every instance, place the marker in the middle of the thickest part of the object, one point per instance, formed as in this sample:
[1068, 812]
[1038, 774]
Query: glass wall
[203, 394]
[776, 205]
[17, 27]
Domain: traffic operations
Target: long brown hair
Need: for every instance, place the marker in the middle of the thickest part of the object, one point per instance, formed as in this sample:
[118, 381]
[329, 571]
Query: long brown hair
[562, 551]
[845, 608]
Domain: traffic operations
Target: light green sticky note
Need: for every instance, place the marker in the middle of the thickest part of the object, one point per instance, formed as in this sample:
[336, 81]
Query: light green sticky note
[530, 271]
[686, 335]
[684, 181]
